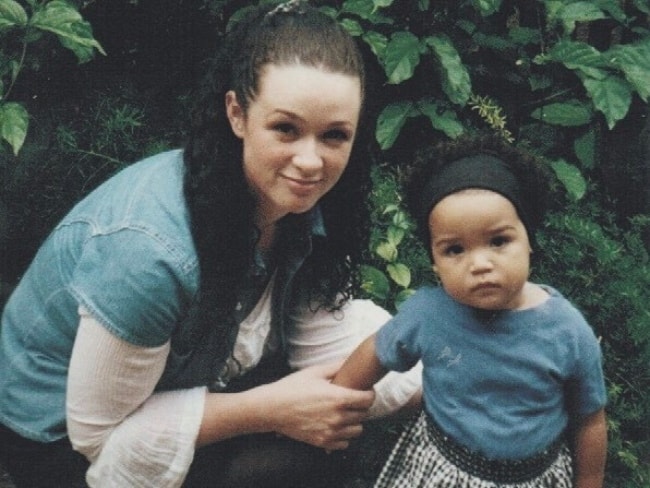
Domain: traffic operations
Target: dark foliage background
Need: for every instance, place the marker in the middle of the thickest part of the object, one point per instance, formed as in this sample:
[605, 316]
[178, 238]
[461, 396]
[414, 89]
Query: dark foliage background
[542, 73]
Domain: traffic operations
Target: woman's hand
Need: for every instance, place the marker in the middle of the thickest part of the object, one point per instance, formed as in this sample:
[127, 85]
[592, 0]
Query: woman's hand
[309, 408]
[304, 406]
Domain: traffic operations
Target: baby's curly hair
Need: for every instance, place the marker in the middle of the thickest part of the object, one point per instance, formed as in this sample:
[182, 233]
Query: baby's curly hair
[531, 171]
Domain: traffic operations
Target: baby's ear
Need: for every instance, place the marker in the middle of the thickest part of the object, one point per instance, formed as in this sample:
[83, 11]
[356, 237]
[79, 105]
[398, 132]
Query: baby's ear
[435, 268]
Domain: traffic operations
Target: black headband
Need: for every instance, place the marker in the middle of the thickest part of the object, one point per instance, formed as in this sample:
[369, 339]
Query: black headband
[479, 171]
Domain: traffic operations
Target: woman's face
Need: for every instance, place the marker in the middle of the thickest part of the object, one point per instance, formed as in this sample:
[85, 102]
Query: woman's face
[297, 135]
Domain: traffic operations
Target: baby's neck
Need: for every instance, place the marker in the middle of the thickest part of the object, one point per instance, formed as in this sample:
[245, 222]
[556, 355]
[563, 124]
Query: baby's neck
[532, 296]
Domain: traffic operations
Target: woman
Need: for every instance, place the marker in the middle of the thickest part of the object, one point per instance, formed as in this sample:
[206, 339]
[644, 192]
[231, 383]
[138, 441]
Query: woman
[157, 326]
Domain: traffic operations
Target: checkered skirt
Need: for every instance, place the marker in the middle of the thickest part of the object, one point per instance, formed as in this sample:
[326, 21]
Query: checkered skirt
[417, 462]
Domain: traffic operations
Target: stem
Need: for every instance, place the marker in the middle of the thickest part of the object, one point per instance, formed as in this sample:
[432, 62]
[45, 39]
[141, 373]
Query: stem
[20, 67]
[98, 155]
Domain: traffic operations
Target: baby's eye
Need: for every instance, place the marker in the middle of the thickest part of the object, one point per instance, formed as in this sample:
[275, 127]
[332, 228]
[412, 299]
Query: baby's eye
[499, 241]
[454, 250]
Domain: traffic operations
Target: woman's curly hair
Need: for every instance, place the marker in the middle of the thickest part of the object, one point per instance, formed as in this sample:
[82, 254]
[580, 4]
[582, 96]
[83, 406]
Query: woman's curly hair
[531, 171]
[219, 201]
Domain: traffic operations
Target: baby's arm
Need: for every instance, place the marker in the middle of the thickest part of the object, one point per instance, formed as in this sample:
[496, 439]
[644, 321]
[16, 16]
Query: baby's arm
[362, 369]
[591, 451]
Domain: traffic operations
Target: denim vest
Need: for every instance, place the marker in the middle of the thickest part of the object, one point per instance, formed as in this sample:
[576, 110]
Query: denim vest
[125, 253]
[193, 362]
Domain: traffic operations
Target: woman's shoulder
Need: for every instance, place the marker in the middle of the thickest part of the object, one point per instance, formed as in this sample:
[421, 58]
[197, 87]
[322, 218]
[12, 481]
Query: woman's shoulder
[146, 195]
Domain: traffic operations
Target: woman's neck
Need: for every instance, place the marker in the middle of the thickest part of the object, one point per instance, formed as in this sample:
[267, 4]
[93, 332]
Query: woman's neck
[267, 236]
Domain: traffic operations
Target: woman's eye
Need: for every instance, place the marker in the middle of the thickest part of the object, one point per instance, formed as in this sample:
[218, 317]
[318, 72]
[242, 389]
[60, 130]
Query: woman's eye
[337, 135]
[285, 128]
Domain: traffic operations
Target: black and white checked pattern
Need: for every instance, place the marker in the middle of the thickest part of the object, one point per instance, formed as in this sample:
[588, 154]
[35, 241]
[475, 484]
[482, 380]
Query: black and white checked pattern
[416, 462]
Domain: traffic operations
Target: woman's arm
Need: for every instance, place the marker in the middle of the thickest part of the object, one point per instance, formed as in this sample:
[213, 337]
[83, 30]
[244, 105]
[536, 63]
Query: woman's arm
[304, 406]
[591, 451]
[133, 436]
[321, 337]
[362, 369]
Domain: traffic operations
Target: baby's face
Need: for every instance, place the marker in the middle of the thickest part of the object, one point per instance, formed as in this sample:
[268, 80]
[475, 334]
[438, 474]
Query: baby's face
[480, 249]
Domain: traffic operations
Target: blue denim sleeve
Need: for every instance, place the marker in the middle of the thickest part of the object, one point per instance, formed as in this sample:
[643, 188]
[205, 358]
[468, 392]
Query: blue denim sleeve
[135, 283]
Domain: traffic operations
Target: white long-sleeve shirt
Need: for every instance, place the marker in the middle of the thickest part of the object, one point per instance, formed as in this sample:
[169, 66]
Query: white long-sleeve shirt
[135, 437]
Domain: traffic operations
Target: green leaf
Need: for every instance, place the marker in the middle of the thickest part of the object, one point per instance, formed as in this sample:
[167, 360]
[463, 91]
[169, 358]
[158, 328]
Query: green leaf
[578, 12]
[400, 220]
[571, 178]
[387, 251]
[539, 82]
[377, 43]
[352, 26]
[613, 8]
[524, 35]
[11, 13]
[579, 56]
[568, 114]
[400, 274]
[401, 56]
[83, 52]
[496, 43]
[361, 8]
[445, 121]
[402, 296]
[395, 235]
[456, 82]
[585, 149]
[634, 61]
[382, 3]
[390, 122]
[611, 96]
[487, 7]
[374, 282]
[13, 125]
[642, 5]
[66, 23]
[366, 10]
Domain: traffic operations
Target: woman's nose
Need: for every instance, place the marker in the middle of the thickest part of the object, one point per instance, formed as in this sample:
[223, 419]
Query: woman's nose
[307, 156]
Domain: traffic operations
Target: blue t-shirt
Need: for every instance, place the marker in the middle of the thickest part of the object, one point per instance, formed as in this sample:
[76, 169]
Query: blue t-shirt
[500, 384]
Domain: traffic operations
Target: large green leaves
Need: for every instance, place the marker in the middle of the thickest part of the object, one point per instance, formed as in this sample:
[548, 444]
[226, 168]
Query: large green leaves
[58, 17]
[571, 178]
[569, 13]
[487, 7]
[62, 19]
[393, 117]
[634, 61]
[11, 14]
[455, 77]
[569, 114]
[390, 122]
[401, 56]
[609, 78]
[611, 96]
[577, 56]
[13, 124]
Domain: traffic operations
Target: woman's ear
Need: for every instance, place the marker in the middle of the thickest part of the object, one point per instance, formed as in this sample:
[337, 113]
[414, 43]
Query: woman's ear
[235, 114]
